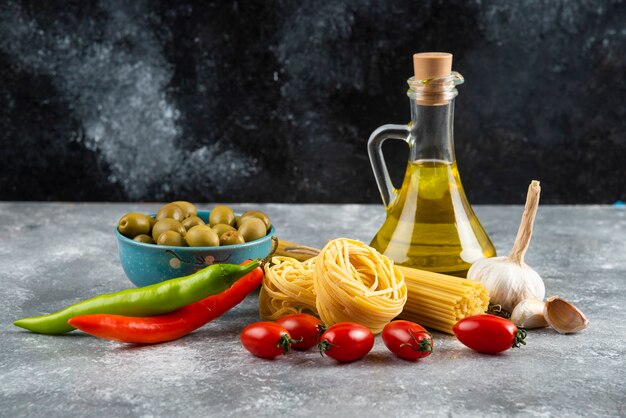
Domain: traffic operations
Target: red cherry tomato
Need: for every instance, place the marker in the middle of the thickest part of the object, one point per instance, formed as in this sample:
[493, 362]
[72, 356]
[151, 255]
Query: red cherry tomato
[266, 339]
[407, 340]
[489, 333]
[346, 341]
[302, 328]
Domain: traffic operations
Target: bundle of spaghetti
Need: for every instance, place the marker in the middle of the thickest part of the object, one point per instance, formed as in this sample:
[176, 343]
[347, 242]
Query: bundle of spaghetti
[287, 288]
[354, 282]
[439, 301]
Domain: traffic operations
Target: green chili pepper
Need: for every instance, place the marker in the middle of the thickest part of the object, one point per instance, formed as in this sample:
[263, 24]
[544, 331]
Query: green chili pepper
[156, 299]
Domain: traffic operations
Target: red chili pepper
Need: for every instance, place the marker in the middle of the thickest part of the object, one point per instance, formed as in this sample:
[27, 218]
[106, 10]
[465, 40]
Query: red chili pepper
[168, 327]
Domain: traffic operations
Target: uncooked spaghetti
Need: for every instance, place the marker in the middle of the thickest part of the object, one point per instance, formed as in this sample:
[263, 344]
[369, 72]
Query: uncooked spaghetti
[439, 301]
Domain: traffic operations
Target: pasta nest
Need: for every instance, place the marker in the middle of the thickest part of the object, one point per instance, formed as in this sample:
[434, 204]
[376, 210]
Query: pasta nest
[347, 281]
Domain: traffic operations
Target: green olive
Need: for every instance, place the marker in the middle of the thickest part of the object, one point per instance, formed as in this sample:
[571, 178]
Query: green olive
[172, 238]
[192, 221]
[167, 224]
[202, 236]
[237, 221]
[257, 214]
[152, 221]
[220, 229]
[252, 228]
[133, 224]
[147, 239]
[188, 208]
[222, 215]
[231, 238]
[171, 210]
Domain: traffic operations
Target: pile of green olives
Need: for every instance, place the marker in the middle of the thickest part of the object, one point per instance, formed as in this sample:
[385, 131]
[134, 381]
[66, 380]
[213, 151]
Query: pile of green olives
[178, 224]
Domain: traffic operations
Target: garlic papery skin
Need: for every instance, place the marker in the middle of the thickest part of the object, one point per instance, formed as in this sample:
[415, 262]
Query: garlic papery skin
[508, 279]
[563, 316]
[507, 282]
[528, 314]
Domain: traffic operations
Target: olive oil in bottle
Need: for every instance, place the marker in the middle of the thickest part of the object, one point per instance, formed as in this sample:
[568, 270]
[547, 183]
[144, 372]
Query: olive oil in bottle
[430, 224]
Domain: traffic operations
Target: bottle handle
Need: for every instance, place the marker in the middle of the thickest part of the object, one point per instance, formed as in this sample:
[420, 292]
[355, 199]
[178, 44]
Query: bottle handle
[377, 159]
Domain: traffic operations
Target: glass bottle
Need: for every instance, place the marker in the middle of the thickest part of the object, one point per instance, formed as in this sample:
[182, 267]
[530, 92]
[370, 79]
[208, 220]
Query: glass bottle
[430, 224]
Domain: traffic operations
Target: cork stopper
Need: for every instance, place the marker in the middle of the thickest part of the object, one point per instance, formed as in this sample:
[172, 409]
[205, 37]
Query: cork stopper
[429, 65]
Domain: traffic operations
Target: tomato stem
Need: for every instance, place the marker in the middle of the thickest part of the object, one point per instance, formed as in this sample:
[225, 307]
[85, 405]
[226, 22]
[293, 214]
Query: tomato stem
[324, 345]
[520, 337]
[421, 346]
[285, 342]
[320, 330]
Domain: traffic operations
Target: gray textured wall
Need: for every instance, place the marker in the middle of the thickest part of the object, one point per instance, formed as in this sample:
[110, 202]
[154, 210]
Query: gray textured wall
[274, 101]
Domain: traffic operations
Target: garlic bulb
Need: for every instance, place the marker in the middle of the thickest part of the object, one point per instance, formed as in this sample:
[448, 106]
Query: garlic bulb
[508, 279]
[528, 314]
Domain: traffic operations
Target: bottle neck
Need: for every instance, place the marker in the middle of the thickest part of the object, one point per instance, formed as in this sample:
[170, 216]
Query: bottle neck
[432, 132]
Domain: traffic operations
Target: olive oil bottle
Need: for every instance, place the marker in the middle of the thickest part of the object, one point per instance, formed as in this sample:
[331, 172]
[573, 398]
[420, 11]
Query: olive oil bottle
[430, 224]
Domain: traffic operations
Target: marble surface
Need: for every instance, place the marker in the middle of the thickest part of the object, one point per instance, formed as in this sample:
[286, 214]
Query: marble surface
[52, 255]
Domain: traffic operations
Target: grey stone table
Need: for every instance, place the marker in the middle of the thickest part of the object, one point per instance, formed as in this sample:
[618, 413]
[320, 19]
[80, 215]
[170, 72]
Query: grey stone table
[52, 255]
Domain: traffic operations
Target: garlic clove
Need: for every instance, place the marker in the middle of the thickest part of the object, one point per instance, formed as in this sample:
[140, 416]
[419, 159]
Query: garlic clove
[528, 314]
[563, 316]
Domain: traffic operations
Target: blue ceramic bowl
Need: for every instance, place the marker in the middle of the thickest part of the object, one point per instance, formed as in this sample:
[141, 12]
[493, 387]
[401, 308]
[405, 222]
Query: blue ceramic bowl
[147, 264]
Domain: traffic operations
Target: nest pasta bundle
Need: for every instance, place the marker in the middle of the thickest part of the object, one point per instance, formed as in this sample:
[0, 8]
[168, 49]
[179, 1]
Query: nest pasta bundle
[354, 282]
[348, 281]
[439, 301]
[287, 288]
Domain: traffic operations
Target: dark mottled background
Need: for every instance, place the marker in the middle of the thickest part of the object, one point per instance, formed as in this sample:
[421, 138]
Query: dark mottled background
[274, 101]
